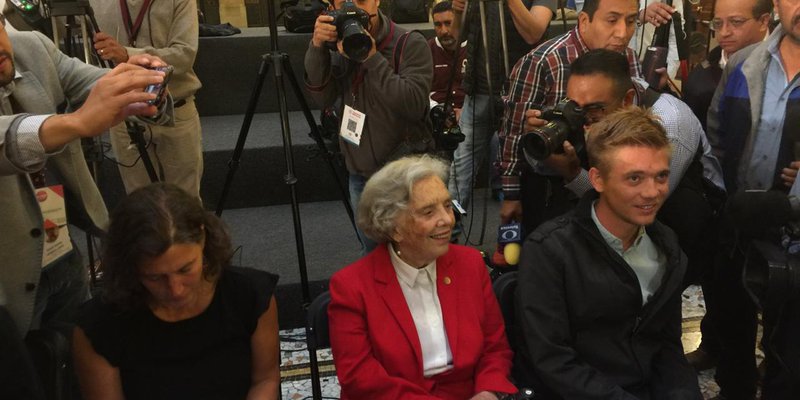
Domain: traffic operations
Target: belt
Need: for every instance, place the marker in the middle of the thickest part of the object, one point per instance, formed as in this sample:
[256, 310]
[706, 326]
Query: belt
[179, 103]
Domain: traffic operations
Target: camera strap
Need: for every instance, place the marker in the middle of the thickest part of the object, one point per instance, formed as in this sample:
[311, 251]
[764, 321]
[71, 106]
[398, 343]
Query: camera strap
[132, 28]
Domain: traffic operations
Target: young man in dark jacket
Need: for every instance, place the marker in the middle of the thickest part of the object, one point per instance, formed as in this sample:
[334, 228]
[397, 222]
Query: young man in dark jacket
[599, 295]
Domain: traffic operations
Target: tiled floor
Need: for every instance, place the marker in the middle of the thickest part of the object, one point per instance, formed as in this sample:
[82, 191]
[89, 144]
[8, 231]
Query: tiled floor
[296, 384]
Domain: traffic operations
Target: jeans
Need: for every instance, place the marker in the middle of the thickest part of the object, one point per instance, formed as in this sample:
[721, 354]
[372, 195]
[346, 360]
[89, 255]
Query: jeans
[356, 184]
[477, 126]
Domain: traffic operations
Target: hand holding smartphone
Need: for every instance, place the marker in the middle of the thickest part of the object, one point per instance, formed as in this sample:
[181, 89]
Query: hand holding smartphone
[159, 88]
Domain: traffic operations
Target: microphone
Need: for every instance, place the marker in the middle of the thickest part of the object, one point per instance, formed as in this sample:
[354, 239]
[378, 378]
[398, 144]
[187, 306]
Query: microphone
[755, 212]
[509, 237]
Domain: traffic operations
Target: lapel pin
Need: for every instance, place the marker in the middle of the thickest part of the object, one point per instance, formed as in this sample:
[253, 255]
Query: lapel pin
[447, 280]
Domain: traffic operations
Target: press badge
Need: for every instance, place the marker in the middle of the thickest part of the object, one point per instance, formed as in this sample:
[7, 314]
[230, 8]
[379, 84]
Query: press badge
[352, 125]
[54, 215]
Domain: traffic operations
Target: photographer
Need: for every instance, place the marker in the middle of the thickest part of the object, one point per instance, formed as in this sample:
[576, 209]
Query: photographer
[384, 93]
[41, 162]
[539, 80]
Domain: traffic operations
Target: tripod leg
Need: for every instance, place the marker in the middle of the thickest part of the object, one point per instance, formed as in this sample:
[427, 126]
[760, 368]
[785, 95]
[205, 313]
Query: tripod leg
[317, 136]
[137, 137]
[233, 164]
[291, 181]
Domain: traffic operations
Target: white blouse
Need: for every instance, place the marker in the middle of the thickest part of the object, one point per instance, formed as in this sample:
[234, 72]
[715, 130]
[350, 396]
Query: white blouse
[419, 289]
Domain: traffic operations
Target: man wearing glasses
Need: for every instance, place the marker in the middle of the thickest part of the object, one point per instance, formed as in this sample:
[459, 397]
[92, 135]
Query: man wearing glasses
[737, 24]
[752, 126]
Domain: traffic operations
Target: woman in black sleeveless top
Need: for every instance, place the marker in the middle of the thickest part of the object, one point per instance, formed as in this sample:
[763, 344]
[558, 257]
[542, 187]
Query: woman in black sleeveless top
[175, 320]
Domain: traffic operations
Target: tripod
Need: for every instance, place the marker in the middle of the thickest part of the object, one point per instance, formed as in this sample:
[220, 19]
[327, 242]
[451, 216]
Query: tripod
[282, 68]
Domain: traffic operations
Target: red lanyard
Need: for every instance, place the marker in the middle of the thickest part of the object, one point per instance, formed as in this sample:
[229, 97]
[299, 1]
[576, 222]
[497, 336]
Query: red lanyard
[130, 27]
[359, 76]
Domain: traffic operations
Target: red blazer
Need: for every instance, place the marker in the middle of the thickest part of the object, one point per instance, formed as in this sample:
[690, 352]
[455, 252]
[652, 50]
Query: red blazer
[374, 340]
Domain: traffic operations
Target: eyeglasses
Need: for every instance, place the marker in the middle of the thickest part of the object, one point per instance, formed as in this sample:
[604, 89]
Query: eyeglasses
[733, 23]
[594, 112]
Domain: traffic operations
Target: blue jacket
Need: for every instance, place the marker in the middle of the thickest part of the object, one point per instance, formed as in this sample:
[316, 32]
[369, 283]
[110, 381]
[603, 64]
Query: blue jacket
[735, 113]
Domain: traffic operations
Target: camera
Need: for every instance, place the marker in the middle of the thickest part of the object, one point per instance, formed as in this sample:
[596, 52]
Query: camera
[772, 220]
[159, 88]
[351, 25]
[446, 131]
[564, 122]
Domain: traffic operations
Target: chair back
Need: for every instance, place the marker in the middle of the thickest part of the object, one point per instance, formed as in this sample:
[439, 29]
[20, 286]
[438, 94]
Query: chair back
[318, 338]
[318, 321]
[504, 287]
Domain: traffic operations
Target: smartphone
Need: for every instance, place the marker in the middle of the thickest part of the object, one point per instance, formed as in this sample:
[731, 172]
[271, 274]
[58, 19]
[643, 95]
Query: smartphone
[159, 88]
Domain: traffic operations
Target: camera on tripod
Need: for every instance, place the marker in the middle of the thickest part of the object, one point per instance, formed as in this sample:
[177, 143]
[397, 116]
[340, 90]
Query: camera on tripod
[565, 121]
[446, 131]
[351, 25]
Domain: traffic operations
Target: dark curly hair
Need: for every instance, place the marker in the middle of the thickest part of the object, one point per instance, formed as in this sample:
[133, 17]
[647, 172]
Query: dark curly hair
[144, 226]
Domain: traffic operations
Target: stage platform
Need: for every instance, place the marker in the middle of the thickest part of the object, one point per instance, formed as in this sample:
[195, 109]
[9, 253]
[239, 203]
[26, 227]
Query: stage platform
[228, 67]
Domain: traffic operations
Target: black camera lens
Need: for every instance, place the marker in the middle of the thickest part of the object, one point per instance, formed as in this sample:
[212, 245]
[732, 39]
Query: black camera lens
[355, 40]
[542, 142]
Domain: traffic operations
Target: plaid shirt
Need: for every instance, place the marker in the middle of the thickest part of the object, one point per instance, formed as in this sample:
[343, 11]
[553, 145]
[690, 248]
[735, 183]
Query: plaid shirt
[538, 80]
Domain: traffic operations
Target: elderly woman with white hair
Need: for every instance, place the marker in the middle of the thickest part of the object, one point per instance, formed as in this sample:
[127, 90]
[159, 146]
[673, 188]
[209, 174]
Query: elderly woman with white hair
[416, 318]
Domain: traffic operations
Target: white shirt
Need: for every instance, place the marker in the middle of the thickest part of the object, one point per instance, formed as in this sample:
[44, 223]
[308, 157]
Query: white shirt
[419, 289]
[641, 48]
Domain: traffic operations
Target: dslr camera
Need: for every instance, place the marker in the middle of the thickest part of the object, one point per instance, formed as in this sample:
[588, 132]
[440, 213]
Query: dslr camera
[565, 121]
[446, 131]
[351, 26]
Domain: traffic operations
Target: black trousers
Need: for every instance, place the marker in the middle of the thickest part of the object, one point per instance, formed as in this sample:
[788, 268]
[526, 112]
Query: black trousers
[735, 320]
[782, 351]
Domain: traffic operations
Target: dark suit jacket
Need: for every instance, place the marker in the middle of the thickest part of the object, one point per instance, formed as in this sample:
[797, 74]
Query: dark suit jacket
[375, 343]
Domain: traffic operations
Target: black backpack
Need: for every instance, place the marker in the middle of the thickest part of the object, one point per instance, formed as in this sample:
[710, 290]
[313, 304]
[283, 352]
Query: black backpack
[300, 16]
[410, 11]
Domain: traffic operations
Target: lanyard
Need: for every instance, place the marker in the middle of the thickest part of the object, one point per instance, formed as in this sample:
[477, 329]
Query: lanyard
[358, 78]
[130, 27]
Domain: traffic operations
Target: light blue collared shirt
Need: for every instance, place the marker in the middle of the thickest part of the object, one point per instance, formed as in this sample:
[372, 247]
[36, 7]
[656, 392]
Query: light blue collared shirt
[761, 168]
[647, 262]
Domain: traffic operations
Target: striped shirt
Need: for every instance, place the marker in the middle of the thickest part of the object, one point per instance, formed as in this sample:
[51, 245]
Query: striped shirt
[538, 80]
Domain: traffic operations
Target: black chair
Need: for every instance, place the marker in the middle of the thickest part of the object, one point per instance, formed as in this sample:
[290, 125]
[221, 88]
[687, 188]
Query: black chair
[504, 287]
[318, 338]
